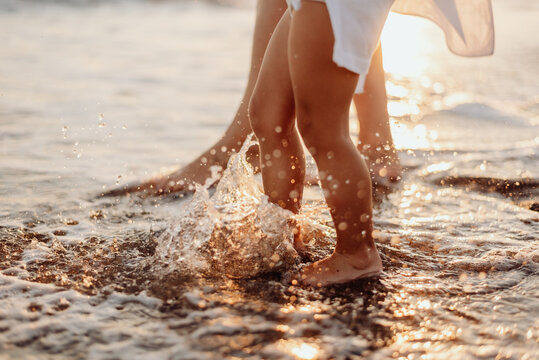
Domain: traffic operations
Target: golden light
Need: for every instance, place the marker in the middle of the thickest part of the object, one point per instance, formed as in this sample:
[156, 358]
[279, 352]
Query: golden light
[299, 349]
[400, 108]
[438, 167]
[305, 351]
[424, 304]
[302, 308]
[309, 308]
[414, 137]
[406, 41]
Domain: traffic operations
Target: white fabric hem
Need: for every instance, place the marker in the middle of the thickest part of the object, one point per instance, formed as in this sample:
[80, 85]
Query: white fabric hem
[354, 64]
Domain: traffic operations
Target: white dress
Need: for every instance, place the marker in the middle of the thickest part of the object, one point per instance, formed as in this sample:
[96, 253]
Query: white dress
[357, 25]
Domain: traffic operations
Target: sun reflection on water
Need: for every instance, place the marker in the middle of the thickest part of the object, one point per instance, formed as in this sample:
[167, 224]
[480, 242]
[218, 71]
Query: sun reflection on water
[303, 308]
[414, 137]
[305, 351]
[300, 350]
[408, 45]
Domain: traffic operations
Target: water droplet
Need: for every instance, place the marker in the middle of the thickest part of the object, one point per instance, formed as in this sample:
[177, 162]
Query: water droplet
[342, 226]
[278, 129]
[101, 120]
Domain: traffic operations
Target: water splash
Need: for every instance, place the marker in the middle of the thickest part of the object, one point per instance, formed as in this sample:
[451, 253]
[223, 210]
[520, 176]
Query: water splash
[235, 231]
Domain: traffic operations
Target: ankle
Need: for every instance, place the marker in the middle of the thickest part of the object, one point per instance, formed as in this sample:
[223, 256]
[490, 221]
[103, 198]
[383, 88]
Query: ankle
[366, 247]
[379, 153]
[360, 257]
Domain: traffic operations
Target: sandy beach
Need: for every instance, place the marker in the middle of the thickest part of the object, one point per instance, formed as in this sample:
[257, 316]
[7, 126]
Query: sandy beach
[96, 94]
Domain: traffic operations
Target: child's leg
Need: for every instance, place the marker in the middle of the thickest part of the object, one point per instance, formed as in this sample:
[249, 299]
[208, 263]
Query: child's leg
[323, 92]
[271, 113]
[375, 141]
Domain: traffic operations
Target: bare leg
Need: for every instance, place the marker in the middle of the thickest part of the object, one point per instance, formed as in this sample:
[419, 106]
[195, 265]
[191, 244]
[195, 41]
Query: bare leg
[272, 118]
[268, 13]
[375, 141]
[323, 93]
[371, 107]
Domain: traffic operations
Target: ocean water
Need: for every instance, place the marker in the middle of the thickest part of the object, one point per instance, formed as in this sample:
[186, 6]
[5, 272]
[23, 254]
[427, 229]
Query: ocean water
[94, 94]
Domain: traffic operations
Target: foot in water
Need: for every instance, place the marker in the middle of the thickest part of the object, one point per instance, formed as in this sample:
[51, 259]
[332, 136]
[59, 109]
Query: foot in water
[180, 181]
[209, 165]
[341, 268]
[383, 163]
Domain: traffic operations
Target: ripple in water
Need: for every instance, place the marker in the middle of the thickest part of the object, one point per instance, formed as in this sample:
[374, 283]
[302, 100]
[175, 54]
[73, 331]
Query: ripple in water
[206, 278]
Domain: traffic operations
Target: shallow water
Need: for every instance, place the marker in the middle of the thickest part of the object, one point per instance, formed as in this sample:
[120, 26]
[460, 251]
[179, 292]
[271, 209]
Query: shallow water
[89, 94]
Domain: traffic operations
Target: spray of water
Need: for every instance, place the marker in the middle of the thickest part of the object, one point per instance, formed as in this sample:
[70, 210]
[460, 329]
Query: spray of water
[235, 231]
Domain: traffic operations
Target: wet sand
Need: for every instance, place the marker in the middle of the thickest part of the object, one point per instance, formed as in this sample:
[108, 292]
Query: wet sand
[94, 95]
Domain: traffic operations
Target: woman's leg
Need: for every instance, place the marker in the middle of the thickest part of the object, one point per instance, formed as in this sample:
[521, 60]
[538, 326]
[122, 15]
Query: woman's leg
[271, 113]
[375, 141]
[198, 170]
[268, 13]
[323, 93]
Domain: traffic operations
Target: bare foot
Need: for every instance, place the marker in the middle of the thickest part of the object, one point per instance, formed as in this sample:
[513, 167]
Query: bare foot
[299, 245]
[209, 165]
[180, 181]
[383, 162]
[341, 268]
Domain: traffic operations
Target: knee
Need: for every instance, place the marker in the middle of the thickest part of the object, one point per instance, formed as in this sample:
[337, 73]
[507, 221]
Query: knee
[316, 137]
[269, 116]
[256, 114]
[321, 136]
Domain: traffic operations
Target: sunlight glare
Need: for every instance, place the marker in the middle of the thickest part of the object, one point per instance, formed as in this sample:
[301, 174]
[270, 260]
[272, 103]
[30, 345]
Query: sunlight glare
[413, 137]
[305, 351]
[404, 45]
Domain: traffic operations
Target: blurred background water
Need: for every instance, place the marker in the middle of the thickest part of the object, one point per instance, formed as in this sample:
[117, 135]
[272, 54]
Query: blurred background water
[97, 93]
